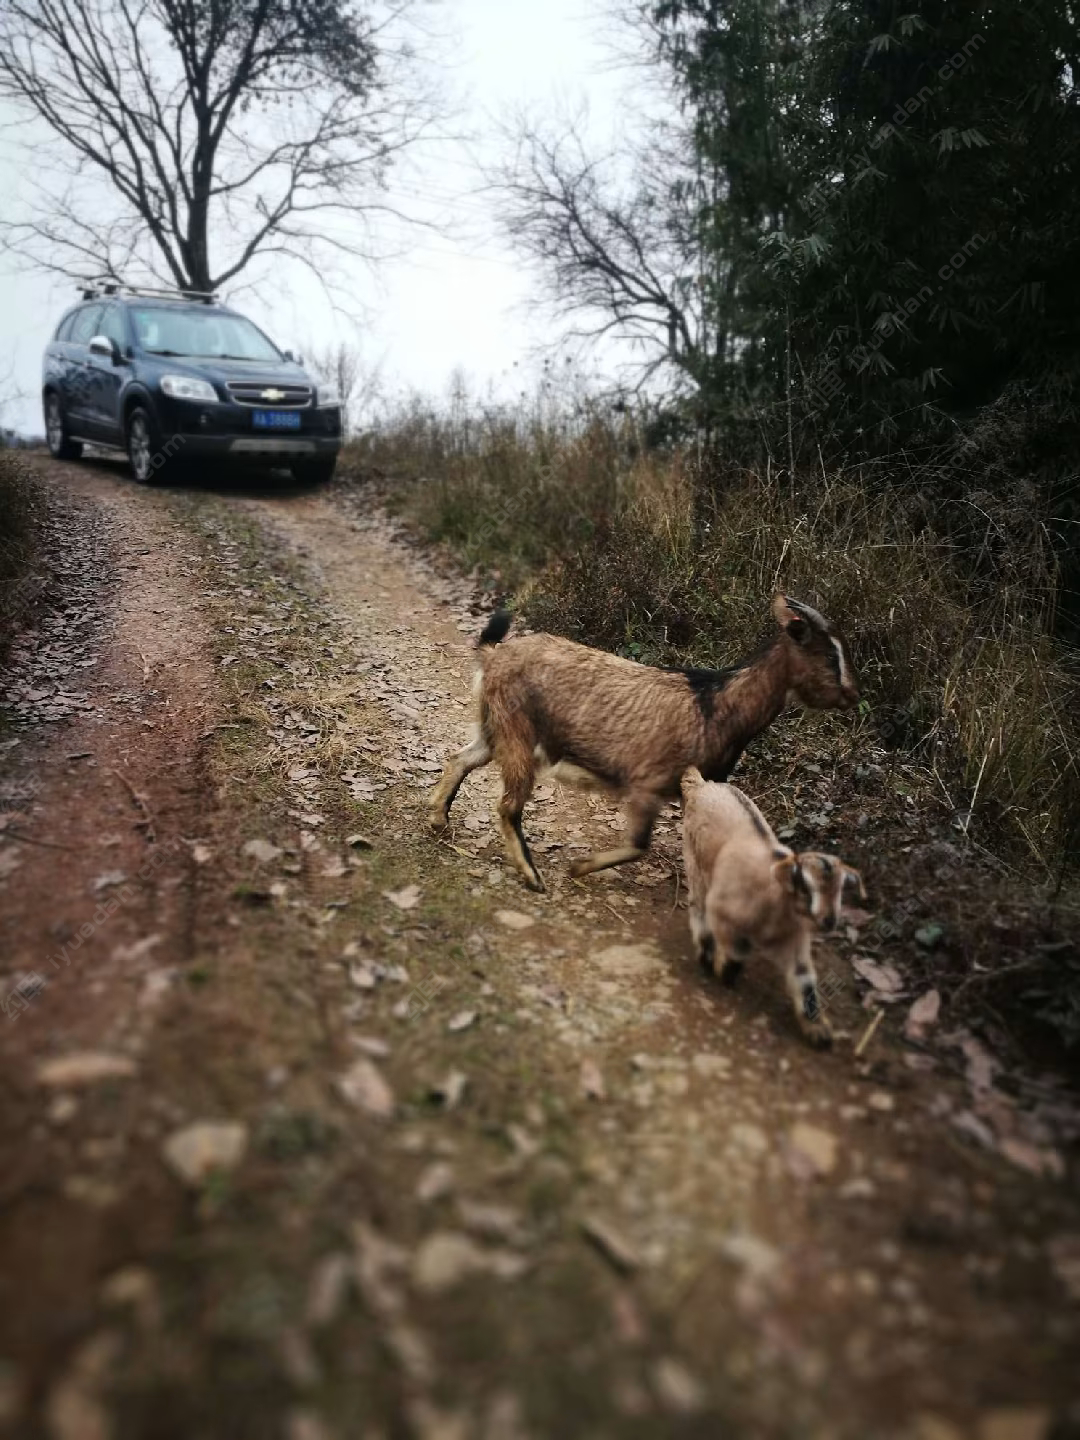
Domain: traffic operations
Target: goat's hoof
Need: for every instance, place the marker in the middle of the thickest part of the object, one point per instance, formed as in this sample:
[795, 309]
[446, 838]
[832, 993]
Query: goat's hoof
[818, 1034]
[576, 869]
[731, 973]
[535, 883]
[438, 822]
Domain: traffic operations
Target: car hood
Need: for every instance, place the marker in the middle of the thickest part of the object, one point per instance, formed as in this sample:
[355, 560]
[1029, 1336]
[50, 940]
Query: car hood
[255, 372]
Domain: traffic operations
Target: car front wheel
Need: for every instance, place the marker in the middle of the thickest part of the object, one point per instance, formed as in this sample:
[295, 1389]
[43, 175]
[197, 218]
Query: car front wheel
[144, 446]
[61, 446]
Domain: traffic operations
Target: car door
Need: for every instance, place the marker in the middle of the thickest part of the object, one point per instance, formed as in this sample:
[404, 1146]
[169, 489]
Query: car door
[77, 392]
[105, 377]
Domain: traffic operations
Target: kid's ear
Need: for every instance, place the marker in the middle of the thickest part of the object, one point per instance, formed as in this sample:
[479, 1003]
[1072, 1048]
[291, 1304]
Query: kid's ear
[789, 875]
[853, 881]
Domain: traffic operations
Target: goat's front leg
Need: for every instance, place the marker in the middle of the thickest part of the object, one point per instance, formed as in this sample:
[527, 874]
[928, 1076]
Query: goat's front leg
[641, 812]
[704, 943]
[801, 982]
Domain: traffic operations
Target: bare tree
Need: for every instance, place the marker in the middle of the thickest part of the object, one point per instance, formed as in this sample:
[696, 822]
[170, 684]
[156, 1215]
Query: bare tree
[618, 256]
[224, 130]
[357, 384]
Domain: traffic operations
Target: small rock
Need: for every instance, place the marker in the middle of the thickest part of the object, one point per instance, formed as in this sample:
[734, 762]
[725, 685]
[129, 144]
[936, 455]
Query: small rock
[514, 919]
[922, 1015]
[461, 1021]
[362, 976]
[262, 851]
[443, 1260]
[436, 1182]
[363, 1085]
[814, 1150]
[63, 1109]
[750, 1138]
[756, 1256]
[614, 1247]
[677, 1388]
[85, 1067]
[860, 1188]
[371, 1045]
[197, 1150]
[360, 842]
[592, 1081]
[710, 1065]
[881, 1101]
[406, 899]
[328, 1288]
[929, 937]
[107, 881]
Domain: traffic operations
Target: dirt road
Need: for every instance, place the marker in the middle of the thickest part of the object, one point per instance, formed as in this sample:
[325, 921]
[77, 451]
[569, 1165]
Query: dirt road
[313, 1127]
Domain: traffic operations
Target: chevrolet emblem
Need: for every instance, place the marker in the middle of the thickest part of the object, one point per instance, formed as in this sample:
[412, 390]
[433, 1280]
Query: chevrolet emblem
[273, 394]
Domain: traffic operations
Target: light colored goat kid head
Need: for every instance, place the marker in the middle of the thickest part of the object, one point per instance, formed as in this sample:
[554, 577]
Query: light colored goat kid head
[819, 884]
[821, 673]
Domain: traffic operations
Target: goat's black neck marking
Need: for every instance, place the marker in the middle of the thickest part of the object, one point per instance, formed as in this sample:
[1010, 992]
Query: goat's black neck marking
[705, 685]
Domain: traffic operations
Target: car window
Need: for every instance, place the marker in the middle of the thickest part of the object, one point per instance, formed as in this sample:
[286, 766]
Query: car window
[201, 334]
[112, 325]
[63, 330]
[85, 325]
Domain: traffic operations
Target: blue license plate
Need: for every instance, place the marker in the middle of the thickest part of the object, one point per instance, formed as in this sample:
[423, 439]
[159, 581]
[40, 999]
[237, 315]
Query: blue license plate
[276, 419]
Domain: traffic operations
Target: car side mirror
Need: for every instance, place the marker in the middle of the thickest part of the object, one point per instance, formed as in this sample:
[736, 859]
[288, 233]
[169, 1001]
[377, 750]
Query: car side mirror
[108, 349]
[288, 354]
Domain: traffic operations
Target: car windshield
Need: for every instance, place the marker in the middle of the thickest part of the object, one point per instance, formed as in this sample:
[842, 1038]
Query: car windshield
[205, 334]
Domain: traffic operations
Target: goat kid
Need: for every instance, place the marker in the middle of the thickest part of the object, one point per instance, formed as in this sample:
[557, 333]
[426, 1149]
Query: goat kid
[633, 729]
[752, 897]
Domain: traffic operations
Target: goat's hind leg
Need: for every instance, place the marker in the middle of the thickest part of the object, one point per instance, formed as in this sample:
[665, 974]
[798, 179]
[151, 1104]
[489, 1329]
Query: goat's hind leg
[642, 815]
[474, 755]
[519, 773]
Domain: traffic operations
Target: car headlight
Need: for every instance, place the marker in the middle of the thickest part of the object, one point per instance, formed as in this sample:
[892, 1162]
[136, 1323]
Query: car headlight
[186, 387]
[327, 396]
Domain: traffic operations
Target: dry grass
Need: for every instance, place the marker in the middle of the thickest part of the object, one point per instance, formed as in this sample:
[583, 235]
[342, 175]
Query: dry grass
[949, 603]
[22, 508]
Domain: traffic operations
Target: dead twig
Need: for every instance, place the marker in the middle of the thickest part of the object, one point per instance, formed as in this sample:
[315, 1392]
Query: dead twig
[147, 822]
[868, 1033]
[29, 840]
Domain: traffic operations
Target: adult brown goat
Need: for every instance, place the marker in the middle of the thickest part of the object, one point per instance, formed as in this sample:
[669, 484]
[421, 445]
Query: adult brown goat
[634, 729]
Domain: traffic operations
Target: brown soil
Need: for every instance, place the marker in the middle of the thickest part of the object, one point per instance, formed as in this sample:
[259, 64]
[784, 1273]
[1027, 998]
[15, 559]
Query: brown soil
[651, 1209]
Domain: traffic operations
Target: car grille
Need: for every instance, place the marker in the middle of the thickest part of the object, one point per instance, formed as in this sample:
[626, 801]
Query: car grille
[294, 397]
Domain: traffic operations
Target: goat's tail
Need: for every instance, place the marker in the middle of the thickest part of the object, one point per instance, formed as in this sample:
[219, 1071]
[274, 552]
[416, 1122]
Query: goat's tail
[496, 629]
[691, 779]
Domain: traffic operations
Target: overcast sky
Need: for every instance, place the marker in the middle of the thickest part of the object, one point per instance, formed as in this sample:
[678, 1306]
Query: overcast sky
[458, 301]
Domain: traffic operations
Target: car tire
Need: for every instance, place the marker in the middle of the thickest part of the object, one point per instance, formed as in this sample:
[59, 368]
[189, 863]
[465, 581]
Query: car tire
[145, 446]
[61, 445]
[314, 472]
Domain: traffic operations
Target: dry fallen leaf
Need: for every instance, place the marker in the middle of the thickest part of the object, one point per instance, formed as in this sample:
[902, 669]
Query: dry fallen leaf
[406, 899]
[884, 978]
[261, 851]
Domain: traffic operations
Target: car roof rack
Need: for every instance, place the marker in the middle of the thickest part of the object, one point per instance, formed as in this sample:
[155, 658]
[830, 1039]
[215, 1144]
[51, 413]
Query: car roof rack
[95, 289]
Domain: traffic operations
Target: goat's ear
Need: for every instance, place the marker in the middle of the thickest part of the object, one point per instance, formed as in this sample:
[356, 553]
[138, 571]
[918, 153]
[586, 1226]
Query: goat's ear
[789, 875]
[790, 620]
[787, 611]
[853, 881]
